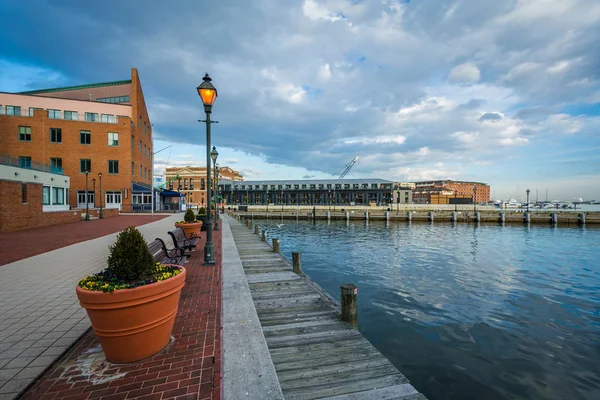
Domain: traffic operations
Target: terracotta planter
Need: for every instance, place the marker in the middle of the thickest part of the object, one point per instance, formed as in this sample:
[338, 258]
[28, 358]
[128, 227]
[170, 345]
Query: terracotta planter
[203, 219]
[191, 229]
[132, 324]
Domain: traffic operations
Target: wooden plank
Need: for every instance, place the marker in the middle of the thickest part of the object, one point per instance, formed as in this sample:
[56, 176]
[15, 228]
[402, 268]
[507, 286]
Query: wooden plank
[310, 338]
[337, 388]
[338, 377]
[334, 360]
[358, 341]
[322, 353]
[272, 277]
[404, 391]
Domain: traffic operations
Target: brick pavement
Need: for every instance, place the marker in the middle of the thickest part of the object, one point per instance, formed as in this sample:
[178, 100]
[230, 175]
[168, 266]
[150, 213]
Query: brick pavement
[189, 368]
[17, 245]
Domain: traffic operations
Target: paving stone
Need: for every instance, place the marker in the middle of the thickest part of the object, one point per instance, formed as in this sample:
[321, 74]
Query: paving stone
[8, 373]
[19, 362]
[29, 372]
[23, 344]
[42, 361]
[32, 352]
[44, 343]
[10, 353]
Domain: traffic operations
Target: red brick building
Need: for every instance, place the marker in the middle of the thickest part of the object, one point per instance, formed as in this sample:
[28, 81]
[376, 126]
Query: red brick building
[100, 128]
[444, 191]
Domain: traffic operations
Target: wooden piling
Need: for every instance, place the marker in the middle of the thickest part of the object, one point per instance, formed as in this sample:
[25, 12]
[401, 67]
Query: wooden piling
[256, 229]
[431, 216]
[582, 218]
[409, 215]
[554, 218]
[454, 217]
[527, 218]
[502, 217]
[264, 235]
[297, 262]
[349, 293]
[275, 245]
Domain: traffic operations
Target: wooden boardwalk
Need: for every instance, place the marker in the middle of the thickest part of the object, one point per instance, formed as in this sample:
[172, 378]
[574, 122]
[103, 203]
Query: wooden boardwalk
[315, 354]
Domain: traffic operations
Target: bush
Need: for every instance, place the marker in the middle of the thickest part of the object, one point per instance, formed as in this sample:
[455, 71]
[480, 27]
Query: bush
[189, 216]
[202, 211]
[129, 257]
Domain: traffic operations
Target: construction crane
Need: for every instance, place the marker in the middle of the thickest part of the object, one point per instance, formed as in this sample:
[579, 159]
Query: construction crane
[348, 167]
[176, 177]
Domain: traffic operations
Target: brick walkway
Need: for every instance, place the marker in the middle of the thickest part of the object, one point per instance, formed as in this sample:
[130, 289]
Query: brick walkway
[189, 368]
[17, 245]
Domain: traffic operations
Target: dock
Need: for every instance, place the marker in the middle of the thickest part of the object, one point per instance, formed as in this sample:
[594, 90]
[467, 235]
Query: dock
[314, 353]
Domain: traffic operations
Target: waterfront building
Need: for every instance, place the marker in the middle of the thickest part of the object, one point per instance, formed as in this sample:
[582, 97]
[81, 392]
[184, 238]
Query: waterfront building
[449, 191]
[191, 181]
[99, 128]
[308, 192]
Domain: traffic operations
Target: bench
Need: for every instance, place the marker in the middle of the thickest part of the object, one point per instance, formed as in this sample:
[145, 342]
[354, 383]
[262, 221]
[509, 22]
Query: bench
[181, 242]
[160, 253]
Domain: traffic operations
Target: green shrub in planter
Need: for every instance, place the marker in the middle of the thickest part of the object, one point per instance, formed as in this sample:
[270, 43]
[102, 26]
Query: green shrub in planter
[202, 211]
[189, 216]
[129, 257]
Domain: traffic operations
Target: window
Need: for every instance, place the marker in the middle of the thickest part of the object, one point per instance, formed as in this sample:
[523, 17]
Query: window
[46, 195]
[132, 168]
[116, 99]
[140, 171]
[85, 165]
[32, 109]
[72, 115]
[113, 139]
[145, 172]
[23, 193]
[55, 135]
[25, 162]
[140, 125]
[91, 117]
[25, 133]
[85, 137]
[202, 184]
[185, 186]
[56, 165]
[58, 196]
[54, 114]
[170, 185]
[132, 142]
[113, 166]
[191, 183]
[13, 110]
[140, 146]
[107, 118]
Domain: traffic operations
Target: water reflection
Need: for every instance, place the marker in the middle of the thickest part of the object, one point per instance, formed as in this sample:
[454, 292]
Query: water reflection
[468, 310]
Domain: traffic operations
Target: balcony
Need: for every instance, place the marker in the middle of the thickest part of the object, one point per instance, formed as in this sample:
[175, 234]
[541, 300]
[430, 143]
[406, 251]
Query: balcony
[16, 162]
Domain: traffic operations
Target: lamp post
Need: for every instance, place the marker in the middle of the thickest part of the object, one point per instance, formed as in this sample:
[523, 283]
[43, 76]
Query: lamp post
[281, 200]
[474, 198]
[87, 208]
[455, 204]
[527, 191]
[267, 199]
[100, 178]
[329, 196]
[214, 154]
[208, 94]
[94, 190]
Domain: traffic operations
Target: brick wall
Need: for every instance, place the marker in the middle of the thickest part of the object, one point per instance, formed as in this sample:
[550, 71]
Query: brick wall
[106, 213]
[16, 215]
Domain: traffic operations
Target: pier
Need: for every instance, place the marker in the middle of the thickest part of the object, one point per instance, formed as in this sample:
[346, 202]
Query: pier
[313, 352]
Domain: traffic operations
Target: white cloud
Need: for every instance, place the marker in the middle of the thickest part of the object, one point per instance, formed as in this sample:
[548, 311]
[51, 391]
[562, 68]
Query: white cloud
[325, 73]
[464, 73]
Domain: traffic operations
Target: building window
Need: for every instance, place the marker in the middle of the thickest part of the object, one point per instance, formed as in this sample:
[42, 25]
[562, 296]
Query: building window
[46, 195]
[23, 193]
[91, 117]
[145, 173]
[108, 118]
[113, 139]
[71, 115]
[85, 165]
[55, 135]
[116, 99]
[185, 184]
[56, 165]
[113, 166]
[13, 110]
[132, 168]
[85, 137]
[191, 183]
[140, 146]
[140, 125]
[58, 196]
[141, 171]
[170, 185]
[132, 142]
[54, 114]
[32, 109]
[25, 162]
[25, 133]
[202, 184]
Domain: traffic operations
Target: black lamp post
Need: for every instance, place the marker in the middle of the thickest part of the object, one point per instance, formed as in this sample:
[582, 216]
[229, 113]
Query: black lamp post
[527, 191]
[474, 198]
[267, 199]
[87, 208]
[214, 154]
[94, 190]
[100, 178]
[329, 196]
[208, 94]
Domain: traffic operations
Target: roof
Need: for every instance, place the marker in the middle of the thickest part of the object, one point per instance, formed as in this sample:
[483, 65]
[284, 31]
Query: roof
[309, 181]
[451, 181]
[79, 87]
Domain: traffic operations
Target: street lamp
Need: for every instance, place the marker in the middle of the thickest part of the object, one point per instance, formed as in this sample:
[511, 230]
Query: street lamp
[208, 94]
[94, 190]
[214, 154]
[474, 198]
[527, 191]
[100, 178]
[87, 208]
[455, 204]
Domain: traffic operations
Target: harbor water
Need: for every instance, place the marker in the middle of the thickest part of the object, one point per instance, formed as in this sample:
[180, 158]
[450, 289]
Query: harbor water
[467, 311]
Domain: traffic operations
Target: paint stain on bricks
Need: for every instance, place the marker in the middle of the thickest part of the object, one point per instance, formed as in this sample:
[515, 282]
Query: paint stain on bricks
[93, 366]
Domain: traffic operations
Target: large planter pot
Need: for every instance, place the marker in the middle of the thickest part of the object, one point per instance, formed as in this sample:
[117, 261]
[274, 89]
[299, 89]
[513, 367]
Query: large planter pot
[191, 229]
[202, 218]
[132, 324]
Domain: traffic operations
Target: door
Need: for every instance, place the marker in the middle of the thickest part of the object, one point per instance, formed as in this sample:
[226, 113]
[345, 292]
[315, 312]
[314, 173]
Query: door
[112, 199]
[81, 199]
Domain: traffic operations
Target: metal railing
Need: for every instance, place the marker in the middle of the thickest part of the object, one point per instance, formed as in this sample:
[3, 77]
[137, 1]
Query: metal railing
[80, 116]
[36, 166]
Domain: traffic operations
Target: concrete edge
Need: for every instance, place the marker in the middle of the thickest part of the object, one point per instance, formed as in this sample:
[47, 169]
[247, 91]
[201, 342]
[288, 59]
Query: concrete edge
[248, 371]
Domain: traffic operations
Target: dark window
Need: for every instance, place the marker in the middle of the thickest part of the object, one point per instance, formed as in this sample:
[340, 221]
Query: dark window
[55, 135]
[132, 142]
[191, 183]
[56, 165]
[25, 133]
[23, 193]
[85, 137]
[202, 184]
[132, 168]
[113, 166]
[85, 165]
[25, 162]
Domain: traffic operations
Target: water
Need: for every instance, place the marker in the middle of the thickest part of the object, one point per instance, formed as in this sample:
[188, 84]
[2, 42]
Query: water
[468, 312]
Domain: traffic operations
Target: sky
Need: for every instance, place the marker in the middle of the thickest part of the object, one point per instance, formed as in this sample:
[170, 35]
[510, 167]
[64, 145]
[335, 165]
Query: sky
[503, 92]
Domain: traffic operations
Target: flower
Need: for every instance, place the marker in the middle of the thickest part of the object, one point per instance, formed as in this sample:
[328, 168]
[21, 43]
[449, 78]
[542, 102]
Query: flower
[105, 281]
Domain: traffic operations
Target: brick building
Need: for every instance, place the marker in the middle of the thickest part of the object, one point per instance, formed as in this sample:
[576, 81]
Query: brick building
[102, 128]
[191, 181]
[449, 191]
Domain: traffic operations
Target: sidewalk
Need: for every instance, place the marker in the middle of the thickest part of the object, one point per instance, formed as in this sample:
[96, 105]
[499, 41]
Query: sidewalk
[18, 245]
[40, 316]
[189, 368]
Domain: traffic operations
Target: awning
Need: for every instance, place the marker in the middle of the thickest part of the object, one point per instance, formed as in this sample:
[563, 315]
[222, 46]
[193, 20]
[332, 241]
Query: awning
[138, 187]
[171, 193]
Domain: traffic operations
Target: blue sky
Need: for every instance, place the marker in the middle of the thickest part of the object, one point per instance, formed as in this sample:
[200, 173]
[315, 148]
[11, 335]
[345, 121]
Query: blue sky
[506, 92]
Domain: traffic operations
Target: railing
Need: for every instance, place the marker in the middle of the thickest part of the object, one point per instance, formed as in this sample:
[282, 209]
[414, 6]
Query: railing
[80, 116]
[16, 162]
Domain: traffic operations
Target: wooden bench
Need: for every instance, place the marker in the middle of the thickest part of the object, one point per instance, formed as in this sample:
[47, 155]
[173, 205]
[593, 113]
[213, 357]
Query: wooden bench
[180, 241]
[160, 253]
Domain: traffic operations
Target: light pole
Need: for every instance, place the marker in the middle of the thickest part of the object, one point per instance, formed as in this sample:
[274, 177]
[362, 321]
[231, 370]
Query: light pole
[208, 94]
[455, 204]
[474, 198]
[281, 200]
[214, 154]
[100, 178]
[267, 199]
[94, 190]
[527, 191]
[87, 208]
[329, 196]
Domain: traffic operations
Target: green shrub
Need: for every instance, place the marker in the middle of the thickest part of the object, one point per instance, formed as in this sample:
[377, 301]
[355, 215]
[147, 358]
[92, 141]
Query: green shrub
[129, 257]
[189, 216]
[202, 211]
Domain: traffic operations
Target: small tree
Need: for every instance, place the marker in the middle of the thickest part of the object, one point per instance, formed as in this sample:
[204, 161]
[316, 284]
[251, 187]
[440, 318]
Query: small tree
[129, 257]
[202, 211]
[189, 216]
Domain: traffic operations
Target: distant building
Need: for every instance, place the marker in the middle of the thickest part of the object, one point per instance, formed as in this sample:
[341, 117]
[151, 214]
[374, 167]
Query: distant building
[191, 181]
[450, 192]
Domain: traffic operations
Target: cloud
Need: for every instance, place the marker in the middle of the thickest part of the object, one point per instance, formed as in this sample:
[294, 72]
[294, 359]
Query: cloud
[464, 73]
[490, 116]
[308, 176]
